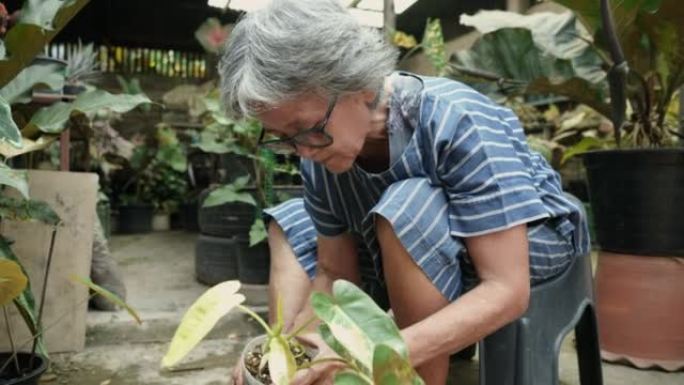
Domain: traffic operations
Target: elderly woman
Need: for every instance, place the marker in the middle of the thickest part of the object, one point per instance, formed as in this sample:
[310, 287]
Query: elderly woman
[419, 189]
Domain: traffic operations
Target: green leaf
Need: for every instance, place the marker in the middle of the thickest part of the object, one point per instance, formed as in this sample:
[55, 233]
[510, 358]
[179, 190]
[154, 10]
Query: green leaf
[16, 179]
[25, 303]
[40, 12]
[586, 144]
[9, 132]
[24, 41]
[357, 322]
[52, 119]
[12, 281]
[108, 295]
[433, 45]
[19, 89]
[335, 345]
[537, 54]
[281, 362]
[390, 368]
[27, 210]
[27, 145]
[201, 318]
[350, 378]
[228, 194]
[257, 233]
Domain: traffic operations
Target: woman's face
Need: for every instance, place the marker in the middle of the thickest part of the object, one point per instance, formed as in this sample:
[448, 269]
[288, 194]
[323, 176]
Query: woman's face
[348, 125]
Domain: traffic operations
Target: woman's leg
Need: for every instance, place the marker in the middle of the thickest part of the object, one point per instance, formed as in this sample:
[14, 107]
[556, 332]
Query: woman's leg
[287, 276]
[412, 294]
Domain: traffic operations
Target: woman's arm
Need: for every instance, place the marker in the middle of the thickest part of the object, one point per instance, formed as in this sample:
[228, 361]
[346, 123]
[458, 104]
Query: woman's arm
[501, 261]
[337, 259]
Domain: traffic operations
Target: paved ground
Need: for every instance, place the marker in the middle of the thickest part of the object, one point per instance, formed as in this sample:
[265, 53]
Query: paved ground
[159, 273]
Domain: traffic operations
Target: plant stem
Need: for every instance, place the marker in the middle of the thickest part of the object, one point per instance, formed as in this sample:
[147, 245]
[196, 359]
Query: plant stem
[11, 340]
[44, 292]
[44, 330]
[304, 326]
[256, 317]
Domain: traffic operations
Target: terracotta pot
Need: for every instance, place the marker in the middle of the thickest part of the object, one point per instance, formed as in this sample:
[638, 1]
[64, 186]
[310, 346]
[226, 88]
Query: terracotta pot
[640, 303]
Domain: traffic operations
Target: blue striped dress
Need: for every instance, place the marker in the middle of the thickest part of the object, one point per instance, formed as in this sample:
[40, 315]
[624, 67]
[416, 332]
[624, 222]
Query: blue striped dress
[459, 167]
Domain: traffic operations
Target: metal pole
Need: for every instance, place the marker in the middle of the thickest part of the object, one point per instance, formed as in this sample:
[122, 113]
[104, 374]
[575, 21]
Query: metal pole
[389, 17]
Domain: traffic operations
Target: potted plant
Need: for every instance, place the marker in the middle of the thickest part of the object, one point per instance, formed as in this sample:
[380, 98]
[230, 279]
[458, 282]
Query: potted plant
[626, 65]
[156, 183]
[369, 345]
[231, 212]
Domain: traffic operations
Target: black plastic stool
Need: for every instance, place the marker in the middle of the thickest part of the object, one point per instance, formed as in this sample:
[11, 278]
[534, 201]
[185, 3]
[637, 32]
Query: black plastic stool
[525, 352]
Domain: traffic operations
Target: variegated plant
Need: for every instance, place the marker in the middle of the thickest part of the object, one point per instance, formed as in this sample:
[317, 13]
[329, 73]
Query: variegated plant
[361, 333]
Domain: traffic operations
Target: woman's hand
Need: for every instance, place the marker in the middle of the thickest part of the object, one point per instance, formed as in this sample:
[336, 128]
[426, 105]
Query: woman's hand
[320, 373]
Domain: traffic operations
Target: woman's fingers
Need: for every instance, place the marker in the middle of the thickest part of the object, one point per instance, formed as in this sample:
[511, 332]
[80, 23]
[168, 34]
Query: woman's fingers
[237, 374]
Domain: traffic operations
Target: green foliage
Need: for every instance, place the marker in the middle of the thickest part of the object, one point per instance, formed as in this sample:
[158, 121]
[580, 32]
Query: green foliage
[359, 332]
[27, 210]
[15, 179]
[25, 302]
[257, 233]
[433, 45]
[33, 31]
[9, 132]
[365, 337]
[230, 193]
[555, 54]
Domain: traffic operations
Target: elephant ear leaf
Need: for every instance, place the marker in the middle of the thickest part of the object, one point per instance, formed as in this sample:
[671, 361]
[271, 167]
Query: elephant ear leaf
[201, 318]
[390, 368]
[357, 322]
[281, 361]
[12, 281]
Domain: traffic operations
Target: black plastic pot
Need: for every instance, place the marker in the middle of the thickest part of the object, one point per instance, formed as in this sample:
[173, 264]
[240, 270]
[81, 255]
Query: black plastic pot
[135, 218]
[216, 259]
[254, 263]
[187, 213]
[637, 198]
[10, 376]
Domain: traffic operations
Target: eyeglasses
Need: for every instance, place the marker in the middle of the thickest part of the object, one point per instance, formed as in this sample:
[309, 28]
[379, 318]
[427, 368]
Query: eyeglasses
[314, 137]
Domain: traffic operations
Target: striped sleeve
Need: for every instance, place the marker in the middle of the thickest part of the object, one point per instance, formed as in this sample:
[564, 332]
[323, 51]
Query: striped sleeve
[317, 198]
[488, 186]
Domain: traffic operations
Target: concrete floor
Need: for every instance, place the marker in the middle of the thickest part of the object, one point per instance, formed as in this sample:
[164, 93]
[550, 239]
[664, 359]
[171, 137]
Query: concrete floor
[159, 273]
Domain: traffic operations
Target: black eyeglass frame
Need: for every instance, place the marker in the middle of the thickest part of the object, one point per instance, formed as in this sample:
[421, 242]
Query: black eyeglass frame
[298, 139]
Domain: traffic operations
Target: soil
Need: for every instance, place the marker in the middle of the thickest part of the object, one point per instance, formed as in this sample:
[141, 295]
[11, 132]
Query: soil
[253, 362]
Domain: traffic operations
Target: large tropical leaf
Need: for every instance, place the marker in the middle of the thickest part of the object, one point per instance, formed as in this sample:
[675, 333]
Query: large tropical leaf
[25, 40]
[25, 302]
[230, 193]
[335, 345]
[357, 322]
[27, 145]
[201, 318]
[390, 368]
[12, 281]
[52, 119]
[27, 210]
[351, 378]
[281, 362]
[537, 54]
[257, 233]
[19, 89]
[9, 132]
[17, 179]
[108, 295]
[41, 12]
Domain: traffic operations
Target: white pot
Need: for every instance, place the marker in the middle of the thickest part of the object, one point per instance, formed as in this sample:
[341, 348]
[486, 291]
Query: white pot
[161, 222]
[247, 377]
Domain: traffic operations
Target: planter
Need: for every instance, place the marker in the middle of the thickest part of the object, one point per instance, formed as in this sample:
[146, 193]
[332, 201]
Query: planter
[161, 222]
[235, 219]
[247, 377]
[216, 259]
[640, 302]
[32, 377]
[135, 218]
[637, 197]
[254, 263]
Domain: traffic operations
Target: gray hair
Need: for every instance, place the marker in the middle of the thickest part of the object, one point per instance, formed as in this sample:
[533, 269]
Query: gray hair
[295, 46]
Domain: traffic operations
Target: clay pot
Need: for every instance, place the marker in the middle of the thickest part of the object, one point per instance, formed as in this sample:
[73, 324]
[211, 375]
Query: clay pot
[640, 303]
